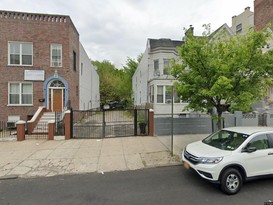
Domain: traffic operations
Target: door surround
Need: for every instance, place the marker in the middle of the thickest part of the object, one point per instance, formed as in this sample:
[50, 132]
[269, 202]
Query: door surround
[48, 84]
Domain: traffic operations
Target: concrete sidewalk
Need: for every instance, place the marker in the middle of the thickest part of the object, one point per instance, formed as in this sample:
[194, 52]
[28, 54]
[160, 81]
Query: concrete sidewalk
[180, 141]
[40, 158]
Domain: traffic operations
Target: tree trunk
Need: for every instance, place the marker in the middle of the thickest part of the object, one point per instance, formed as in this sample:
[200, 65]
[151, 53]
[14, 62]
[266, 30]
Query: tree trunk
[219, 118]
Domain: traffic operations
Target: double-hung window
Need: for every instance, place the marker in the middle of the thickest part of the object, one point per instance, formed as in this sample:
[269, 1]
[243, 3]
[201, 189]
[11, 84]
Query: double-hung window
[20, 53]
[20, 93]
[165, 95]
[151, 94]
[156, 68]
[168, 94]
[239, 28]
[166, 64]
[160, 94]
[56, 55]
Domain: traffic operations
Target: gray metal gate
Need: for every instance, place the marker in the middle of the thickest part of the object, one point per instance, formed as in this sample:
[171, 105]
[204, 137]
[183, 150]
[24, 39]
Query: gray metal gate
[109, 123]
[262, 119]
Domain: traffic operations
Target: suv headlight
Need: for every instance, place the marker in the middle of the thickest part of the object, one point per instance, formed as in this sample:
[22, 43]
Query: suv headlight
[210, 160]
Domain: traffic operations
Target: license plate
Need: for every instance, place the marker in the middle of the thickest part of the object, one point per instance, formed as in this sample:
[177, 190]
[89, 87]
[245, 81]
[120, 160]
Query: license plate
[186, 165]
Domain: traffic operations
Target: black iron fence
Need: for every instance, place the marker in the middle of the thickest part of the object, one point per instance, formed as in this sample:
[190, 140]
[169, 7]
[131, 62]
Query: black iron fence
[7, 131]
[109, 123]
[59, 124]
[40, 132]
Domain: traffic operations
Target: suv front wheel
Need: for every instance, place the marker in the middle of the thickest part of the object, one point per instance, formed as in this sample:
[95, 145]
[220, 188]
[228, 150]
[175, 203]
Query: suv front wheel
[231, 181]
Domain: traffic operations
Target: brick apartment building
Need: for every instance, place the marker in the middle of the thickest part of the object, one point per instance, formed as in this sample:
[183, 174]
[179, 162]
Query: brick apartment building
[263, 13]
[39, 64]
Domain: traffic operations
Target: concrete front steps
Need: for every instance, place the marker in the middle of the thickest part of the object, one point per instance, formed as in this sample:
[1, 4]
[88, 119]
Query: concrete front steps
[42, 125]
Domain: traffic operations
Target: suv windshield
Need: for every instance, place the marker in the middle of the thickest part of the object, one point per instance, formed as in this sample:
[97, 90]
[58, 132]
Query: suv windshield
[226, 140]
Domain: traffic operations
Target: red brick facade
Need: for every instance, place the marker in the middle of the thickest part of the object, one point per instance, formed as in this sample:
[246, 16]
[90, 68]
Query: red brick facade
[41, 30]
[263, 13]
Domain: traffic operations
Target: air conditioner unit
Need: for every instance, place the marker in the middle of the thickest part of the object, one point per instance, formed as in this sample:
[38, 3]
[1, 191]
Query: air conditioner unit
[11, 124]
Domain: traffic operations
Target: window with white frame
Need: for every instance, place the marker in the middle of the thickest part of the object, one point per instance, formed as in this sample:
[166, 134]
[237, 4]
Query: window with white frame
[239, 28]
[20, 53]
[156, 68]
[164, 94]
[151, 93]
[168, 94]
[160, 94]
[177, 99]
[166, 64]
[56, 55]
[20, 93]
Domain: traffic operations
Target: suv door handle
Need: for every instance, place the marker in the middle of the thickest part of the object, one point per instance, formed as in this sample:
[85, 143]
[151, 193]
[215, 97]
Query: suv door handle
[270, 153]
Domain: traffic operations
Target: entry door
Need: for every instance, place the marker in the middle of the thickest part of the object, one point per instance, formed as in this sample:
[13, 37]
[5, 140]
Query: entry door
[57, 99]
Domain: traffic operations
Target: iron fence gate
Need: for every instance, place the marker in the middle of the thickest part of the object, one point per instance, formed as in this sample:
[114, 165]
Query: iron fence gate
[110, 123]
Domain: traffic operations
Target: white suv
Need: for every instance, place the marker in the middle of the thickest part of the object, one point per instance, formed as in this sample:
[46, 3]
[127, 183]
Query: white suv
[231, 156]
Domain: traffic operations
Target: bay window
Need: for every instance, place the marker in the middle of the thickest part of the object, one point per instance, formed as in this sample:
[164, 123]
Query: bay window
[164, 94]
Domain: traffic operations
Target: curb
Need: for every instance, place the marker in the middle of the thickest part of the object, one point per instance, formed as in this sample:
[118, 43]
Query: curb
[162, 165]
[8, 177]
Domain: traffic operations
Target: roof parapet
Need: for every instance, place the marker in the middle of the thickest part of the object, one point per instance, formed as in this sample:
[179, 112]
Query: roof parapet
[33, 16]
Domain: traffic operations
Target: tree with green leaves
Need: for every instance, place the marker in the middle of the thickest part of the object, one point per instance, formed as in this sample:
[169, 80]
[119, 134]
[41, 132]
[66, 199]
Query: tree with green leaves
[223, 72]
[131, 65]
[116, 84]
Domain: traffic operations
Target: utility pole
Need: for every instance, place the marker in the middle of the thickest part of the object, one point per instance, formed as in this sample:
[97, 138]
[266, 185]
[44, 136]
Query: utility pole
[172, 123]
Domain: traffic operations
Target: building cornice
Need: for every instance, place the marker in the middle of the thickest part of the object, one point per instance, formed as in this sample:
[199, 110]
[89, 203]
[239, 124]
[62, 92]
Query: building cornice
[25, 16]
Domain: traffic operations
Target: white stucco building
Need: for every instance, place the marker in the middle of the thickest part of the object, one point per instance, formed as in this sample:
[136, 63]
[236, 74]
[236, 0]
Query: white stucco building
[152, 83]
[89, 96]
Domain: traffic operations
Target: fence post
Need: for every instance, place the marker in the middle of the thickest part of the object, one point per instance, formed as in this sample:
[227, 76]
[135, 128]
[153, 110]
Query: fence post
[67, 119]
[20, 127]
[239, 118]
[103, 123]
[71, 123]
[135, 122]
[51, 129]
[212, 124]
[151, 122]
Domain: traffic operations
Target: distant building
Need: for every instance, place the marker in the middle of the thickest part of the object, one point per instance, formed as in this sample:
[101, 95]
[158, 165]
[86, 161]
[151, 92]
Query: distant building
[89, 95]
[242, 23]
[41, 60]
[152, 82]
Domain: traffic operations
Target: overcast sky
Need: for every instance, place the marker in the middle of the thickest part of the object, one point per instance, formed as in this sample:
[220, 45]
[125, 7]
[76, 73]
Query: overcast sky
[116, 29]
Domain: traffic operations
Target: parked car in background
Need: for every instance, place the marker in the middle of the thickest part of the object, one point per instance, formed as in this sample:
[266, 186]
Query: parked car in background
[114, 105]
[232, 156]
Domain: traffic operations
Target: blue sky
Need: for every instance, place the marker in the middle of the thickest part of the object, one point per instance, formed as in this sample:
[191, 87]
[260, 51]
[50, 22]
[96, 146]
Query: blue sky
[116, 29]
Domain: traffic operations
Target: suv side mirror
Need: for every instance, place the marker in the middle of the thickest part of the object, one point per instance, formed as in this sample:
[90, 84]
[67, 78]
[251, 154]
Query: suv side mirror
[249, 149]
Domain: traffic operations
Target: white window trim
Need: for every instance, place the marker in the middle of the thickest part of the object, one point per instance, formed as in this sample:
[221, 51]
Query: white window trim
[20, 53]
[156, 70]
[163, 94]
[164, 97]
[51, 62]
[239, 28]
[20, 94]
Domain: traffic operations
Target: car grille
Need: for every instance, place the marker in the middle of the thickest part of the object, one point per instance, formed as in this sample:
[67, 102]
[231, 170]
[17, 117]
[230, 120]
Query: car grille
[193, 159]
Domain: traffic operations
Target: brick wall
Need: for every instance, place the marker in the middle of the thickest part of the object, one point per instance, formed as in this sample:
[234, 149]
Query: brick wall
[263, 13]
[42, 30]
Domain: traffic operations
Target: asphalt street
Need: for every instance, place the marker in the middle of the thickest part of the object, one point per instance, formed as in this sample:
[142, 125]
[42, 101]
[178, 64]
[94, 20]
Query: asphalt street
[163, 185]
